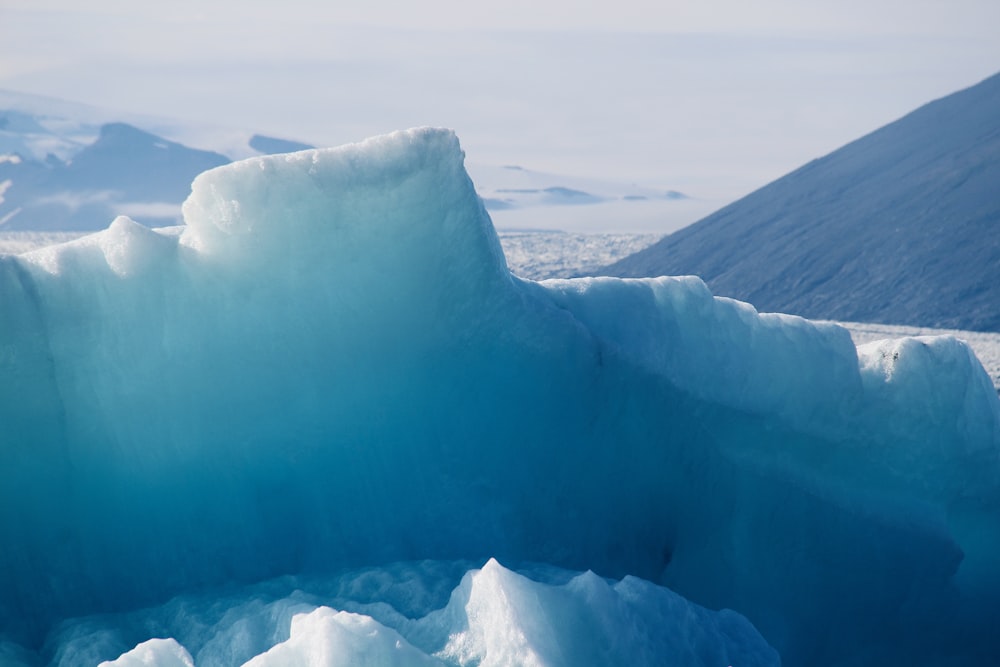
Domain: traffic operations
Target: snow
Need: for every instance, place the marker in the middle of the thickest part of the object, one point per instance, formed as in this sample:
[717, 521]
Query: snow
[15, 243]
[328, 638]
[496, 617]
[155, 652]
[330, 368]
[490, 616]
[506, 619]
[538, 255]
[985, 345]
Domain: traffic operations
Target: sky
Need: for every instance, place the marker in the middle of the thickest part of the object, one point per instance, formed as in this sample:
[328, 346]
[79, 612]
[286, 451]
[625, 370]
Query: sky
[713, 99]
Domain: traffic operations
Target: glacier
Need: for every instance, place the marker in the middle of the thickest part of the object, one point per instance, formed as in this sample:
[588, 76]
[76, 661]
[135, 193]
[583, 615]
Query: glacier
[329, 370]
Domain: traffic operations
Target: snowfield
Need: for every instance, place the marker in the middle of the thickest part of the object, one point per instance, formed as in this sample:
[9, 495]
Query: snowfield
[539, 255]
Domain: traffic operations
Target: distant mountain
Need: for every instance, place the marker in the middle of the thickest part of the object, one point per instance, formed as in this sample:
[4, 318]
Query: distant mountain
[272, 145]
[69, 167]
[520, 198]
[64, 168]
[901, 226]
[142, 166]
[514, 187]
[34, 127]
[126, 170]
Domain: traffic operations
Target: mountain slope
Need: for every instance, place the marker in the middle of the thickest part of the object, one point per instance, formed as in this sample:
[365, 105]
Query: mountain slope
[901, 226]
[126, 170]
[142, 166]
[69, 167]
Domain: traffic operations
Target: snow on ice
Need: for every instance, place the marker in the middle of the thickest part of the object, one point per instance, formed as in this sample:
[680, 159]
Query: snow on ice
[300, 430]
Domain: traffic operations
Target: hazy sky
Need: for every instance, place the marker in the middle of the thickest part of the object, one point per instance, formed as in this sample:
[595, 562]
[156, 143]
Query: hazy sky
[960, 18]
[713, 98]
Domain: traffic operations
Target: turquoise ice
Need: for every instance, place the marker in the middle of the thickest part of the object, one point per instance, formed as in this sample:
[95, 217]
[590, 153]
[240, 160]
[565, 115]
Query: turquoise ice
[330, 367]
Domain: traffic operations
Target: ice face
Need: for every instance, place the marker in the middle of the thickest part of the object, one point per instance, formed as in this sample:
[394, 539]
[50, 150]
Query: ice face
[330, 366]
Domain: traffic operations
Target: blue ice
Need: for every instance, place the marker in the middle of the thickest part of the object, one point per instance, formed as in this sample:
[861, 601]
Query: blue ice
[330, 368]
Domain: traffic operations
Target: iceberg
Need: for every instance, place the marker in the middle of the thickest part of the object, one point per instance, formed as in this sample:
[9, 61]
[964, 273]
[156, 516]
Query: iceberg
[330, 368]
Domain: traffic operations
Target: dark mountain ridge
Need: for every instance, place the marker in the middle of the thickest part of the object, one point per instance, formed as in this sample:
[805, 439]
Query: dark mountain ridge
[901, 226]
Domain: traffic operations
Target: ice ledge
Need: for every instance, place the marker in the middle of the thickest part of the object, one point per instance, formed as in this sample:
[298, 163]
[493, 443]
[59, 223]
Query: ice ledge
[263, 195]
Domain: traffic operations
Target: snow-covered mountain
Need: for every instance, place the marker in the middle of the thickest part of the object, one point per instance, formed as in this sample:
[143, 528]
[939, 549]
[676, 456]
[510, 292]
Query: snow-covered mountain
[901, 226]
[69, 167]
[125, 171]
[66, 167]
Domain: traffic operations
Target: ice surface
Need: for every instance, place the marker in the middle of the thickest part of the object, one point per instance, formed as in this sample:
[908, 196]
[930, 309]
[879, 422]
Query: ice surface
[329, 638]
[493, 616]
[536, 255]
[330, 366]
[985, 345]
[15, 243]
[506, 619]
[540, 255]
[154, 653]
